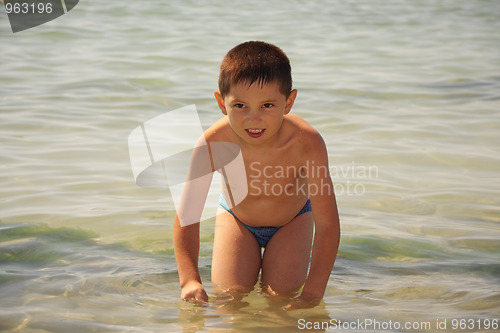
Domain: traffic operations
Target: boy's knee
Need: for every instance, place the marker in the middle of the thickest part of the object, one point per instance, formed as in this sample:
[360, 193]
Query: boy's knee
[281, 290]
[236, 291]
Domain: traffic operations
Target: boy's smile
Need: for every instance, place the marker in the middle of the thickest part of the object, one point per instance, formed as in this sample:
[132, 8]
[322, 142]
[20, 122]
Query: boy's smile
[256, 112]
[255, 132]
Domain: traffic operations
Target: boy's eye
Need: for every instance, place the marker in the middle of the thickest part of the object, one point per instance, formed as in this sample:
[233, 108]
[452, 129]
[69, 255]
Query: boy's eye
[267, 105]
[239, 105]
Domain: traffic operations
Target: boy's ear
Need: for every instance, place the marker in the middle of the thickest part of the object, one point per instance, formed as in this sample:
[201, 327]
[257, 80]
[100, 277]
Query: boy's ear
[220, 101]
[290, 100]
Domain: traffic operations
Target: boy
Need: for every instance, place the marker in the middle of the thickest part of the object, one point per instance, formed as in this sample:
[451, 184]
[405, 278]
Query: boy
[290, 193]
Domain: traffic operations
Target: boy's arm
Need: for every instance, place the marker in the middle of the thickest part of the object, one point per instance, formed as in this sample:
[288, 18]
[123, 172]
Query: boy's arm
[325, 247]
[327, 227]
[186, 233]
[187, 247]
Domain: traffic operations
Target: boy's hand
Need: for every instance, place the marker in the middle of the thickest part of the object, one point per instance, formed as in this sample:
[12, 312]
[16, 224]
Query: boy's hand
[195, 293]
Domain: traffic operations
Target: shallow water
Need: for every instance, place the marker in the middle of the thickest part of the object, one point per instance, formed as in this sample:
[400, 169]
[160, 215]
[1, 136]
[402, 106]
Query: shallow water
[405, 94]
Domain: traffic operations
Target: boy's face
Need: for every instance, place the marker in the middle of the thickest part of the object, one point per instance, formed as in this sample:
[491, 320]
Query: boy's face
[256, 112]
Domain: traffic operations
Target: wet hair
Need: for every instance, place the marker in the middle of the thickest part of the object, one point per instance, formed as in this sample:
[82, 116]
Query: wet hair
[255, 61]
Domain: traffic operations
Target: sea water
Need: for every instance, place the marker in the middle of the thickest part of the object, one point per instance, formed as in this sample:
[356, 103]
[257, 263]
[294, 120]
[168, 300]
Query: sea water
[406, 95]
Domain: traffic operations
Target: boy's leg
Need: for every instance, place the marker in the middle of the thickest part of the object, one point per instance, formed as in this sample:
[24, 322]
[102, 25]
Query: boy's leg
[236, 256]
[286, 259]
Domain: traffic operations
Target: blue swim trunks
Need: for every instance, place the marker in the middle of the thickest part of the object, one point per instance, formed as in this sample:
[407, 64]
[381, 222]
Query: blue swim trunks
[261, 234]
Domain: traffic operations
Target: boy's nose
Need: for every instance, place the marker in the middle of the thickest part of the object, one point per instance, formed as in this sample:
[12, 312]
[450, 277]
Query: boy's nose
[254, 115]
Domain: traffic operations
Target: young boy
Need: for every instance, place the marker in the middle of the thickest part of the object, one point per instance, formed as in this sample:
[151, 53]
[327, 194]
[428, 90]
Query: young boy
[290, 193]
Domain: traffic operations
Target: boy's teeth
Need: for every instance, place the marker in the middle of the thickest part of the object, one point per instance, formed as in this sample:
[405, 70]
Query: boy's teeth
[255, 131]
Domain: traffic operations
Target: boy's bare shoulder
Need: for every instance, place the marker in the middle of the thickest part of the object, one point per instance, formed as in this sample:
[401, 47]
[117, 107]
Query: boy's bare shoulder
[220, 131]
[307, 140]
[307, 135]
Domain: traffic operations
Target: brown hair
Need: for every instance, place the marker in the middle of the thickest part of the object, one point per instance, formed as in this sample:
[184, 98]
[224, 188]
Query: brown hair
[255, 61]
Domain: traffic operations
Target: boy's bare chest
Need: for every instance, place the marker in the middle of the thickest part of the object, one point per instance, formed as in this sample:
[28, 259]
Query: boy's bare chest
[274, 174]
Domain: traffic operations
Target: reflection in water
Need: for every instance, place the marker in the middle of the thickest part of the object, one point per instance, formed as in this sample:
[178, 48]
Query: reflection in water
[252, 312]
